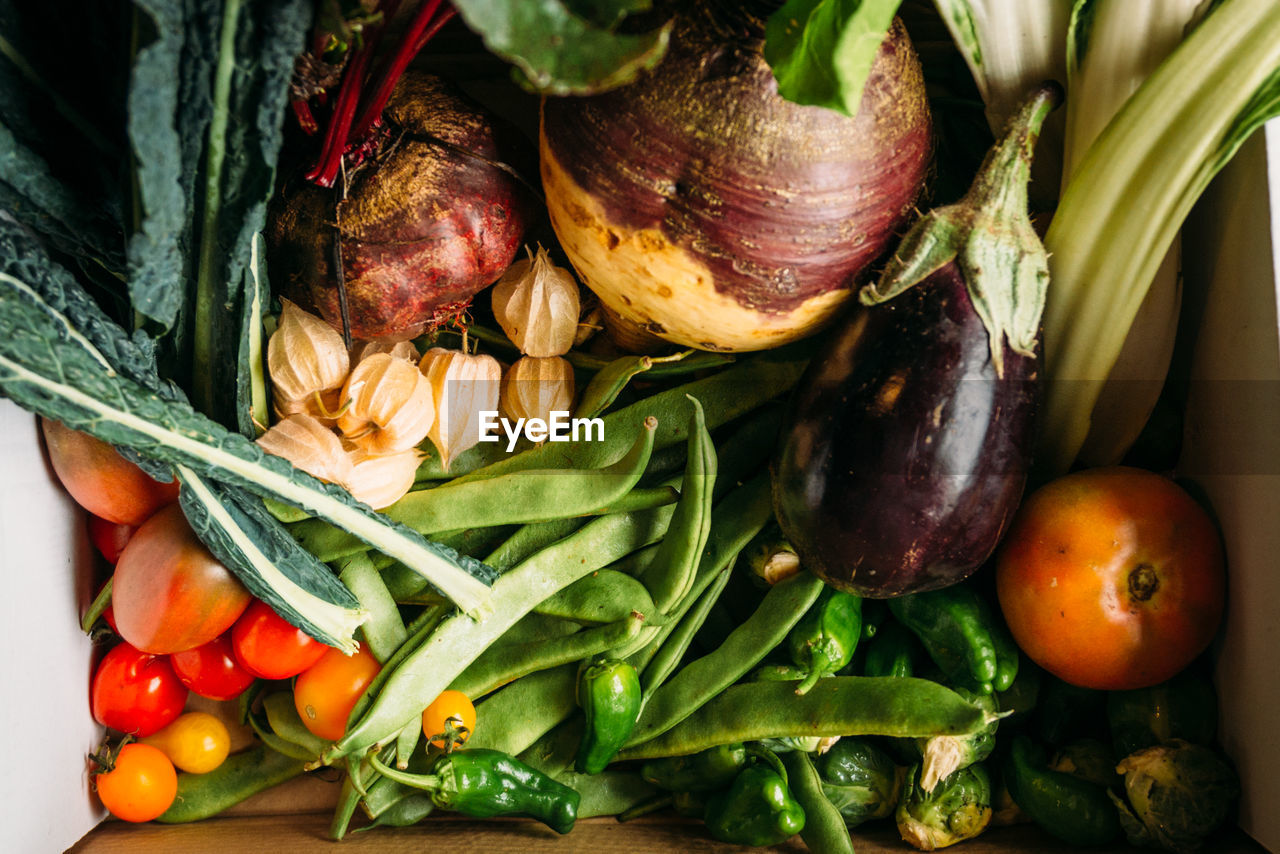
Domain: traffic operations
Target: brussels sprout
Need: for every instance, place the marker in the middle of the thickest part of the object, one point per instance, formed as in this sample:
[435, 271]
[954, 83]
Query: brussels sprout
[1179, 793]
[860, 779]
[958, 808]
[942, 755]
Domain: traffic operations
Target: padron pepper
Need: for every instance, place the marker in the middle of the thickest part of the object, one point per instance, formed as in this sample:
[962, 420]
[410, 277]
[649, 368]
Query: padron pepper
[713, 768]
[758, 809]
[610, 696]
[483, 783]
[826, 636]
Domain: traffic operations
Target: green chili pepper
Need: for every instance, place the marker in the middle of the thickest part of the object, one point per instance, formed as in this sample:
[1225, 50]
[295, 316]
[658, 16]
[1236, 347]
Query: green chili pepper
[713, 768]
[890, 652]
[961, 635]
[758, 809]
[485, 783]
[1068, 807]
[609, 694]
[826, 636]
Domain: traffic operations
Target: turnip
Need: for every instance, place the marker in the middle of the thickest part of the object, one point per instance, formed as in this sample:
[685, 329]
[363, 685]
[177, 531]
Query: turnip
[703, 208]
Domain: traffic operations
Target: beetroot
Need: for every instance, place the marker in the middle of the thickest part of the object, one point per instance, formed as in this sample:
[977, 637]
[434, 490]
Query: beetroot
[433, 216]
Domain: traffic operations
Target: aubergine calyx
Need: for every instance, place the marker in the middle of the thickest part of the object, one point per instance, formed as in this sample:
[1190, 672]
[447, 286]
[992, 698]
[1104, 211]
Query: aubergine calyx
[989, 235]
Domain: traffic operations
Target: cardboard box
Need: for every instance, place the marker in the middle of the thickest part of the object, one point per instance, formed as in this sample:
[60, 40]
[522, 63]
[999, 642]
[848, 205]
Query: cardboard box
[1232, 254]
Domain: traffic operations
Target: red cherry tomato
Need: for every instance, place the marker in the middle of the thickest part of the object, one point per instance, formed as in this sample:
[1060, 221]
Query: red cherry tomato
[270, 647]
[140, 785]
[169, 593]
[211, 670]
[135, 692]
[100, 480]
[1112, 578]
[326, 692]
[109, 538]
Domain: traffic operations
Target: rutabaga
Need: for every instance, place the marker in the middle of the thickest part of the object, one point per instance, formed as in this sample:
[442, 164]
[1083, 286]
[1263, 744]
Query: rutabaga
[1127, 199]
[61, 357]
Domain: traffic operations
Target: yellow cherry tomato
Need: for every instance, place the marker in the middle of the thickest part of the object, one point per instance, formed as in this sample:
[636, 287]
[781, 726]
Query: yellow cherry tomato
[450, 706]
[196, 742]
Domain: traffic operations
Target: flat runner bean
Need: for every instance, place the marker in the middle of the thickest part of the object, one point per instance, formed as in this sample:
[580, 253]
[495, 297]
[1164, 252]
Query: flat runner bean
[672, 650]
[604, 596]
[904, 707]
[611, 379]
[824, 829]
[383, 630]
[515, 717]
[239, 776]
[702, 679]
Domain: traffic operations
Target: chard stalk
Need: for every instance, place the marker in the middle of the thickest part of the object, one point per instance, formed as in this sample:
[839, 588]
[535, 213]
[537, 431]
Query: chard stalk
[1127, 199]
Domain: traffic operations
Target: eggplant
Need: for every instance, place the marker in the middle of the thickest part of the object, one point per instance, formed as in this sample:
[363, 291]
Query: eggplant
[910, 435]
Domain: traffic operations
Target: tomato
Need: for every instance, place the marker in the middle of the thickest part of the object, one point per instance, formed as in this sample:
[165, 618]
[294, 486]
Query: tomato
[269, 647]
[196, 742]
[449, 706]
[211, 669]
[169, 593]
[100, 480]
[109, 538]
[1112, 578]
[326, 692]
[139, 783]
[135, 692]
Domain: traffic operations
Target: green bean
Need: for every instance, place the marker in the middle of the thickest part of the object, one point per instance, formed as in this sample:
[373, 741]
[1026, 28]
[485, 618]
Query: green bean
[239, 776]
[458, 640]
[501, 664]
[609, 792]
[900, 706]
[824, 828]
[348, 802]
[533, 495]
[635, 563]
[383, 630]
[673, 648]
[702, 679]
[409, 587]
[404, 812]
[640, 498]
[671, 573]
[726, 395]
[285, 722]
[407, 743]
[554, 753]
[604, 596]
[535, 627]
[278, 744]
[516, 716]
[383, 793]
[529, 539]
[612, 378]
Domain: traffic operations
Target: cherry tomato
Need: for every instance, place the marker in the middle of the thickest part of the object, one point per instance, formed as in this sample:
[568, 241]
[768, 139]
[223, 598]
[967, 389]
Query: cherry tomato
[196, 742]
[170, 594]
[269, 647]
[211, 669]
[100, 480]
[326, 692]
[449, 706]
[1112, 578]
[140, 784]
[135, 692]
[109, 538]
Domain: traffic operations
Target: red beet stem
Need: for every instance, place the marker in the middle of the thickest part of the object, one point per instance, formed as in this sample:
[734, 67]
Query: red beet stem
[425, 24]
[335, 138]
[306, 120]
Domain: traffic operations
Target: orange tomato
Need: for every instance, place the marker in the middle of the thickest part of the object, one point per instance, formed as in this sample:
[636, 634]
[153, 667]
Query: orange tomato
[452, 706]
[325, 693]
[140, 784]
[1112, 578]
[169, 594]
[100, 480]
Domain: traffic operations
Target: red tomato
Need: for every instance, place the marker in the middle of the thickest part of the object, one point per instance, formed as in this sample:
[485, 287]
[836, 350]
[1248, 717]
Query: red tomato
[169, 593]
[326, 692]
[140, 784]
[135, 692]
[1112, 578]
[270, 647]
[211, 670]
[109, 538]
[100, 480]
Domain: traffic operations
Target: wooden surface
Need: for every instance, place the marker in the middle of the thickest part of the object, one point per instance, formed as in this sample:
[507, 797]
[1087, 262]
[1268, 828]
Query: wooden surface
[280, 834]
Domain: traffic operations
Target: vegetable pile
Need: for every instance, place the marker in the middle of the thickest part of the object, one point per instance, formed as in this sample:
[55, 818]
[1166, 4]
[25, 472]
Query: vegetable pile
[293, 288]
